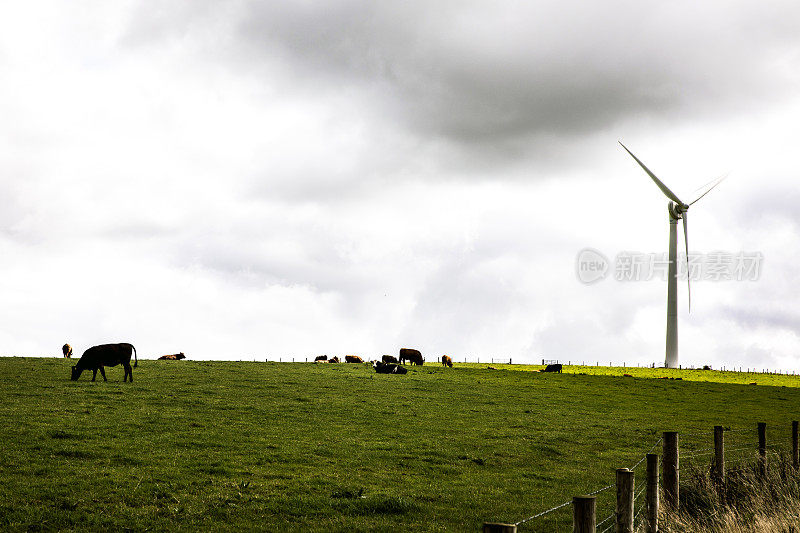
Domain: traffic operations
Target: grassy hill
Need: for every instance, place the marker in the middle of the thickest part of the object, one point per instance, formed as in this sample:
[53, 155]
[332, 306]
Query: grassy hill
[277, 446]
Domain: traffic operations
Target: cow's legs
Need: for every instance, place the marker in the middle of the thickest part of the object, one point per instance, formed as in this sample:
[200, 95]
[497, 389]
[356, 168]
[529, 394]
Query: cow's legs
[103, 373]
[128, 372]
[94, 374]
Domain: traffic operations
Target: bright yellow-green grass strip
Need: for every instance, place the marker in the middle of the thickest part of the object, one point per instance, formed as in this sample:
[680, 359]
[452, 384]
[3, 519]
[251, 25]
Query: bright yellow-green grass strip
[715, 376]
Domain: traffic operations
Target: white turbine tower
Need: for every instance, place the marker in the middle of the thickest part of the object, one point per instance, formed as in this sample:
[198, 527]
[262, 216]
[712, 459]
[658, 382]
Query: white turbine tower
[677, 211]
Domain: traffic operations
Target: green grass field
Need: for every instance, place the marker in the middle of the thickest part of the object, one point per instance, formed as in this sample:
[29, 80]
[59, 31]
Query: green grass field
[284, 446]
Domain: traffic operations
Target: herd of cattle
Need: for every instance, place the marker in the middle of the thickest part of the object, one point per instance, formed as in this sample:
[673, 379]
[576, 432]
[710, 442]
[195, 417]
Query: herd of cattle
[406, 354]
[97, 357]
[389, 364]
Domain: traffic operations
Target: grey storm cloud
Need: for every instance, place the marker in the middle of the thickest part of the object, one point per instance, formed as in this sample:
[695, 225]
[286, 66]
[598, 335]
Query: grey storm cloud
[481, 86]
[771, 318]
[477, 73]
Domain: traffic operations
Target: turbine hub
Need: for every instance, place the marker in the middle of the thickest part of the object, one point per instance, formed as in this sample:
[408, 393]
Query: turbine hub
[676, 210]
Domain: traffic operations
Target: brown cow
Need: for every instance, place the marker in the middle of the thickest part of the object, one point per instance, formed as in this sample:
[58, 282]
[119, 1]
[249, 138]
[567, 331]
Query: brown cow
[447, 361]
[389, 359]
[352, 359]
[172, 357]
[322, 358]
[334, 359]
[412, 355]
[67, 350]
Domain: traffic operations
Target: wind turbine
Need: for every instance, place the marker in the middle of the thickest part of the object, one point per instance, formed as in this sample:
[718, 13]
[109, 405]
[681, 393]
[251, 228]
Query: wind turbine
[677, 211]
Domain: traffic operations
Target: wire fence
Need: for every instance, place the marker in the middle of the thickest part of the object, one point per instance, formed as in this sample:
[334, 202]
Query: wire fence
[593, 493]
[659, 441]
[745, 455]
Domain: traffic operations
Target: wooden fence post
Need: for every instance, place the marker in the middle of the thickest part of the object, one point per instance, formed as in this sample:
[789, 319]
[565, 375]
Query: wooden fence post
[762, 449]
[497, 527]
[671, 477]
[625, 491]
[795, 449]
[583, 514]
[718, 473]
[652, 493]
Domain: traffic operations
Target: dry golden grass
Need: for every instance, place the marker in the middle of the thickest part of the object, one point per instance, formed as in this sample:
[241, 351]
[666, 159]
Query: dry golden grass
[748, 503]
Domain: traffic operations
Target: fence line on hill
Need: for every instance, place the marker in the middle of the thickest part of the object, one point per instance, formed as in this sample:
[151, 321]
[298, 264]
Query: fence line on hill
[509, 361]
[632, 509]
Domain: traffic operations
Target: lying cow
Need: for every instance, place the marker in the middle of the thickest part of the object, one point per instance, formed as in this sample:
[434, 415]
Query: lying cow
[67, 350]
[447, 361]
[552, 368]
[172, 357]
[390, 359]
[334, 359]
[388, 368]
[321, 358]
[352, 359]
[96, 357]
[412, 355]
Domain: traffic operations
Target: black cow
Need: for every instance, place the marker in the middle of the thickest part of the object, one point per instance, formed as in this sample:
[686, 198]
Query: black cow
[412, 355]
[387, 368]
[96, 357]
[321, 358]
[552, 368]
[390, 359]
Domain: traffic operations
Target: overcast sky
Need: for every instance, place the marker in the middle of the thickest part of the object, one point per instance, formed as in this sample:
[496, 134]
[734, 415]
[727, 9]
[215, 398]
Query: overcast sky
[240, 180]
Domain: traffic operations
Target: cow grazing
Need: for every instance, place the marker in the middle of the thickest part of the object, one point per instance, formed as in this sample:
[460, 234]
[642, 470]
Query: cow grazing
[172, 357]
[352, 359]
[388, 368]
[447, 361]
[552, 368]
[96, 357]
[321, 358]
[334, 359]
[412, 355]
[390, 359]
[67, 350]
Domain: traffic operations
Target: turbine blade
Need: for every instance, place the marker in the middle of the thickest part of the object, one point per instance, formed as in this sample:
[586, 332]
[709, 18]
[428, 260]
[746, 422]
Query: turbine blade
[705, 186]
[717, 182]
[669, 194]
[686, 241]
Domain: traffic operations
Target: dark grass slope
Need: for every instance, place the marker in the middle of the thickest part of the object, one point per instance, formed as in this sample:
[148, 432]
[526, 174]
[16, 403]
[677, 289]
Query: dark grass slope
[270, 446]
